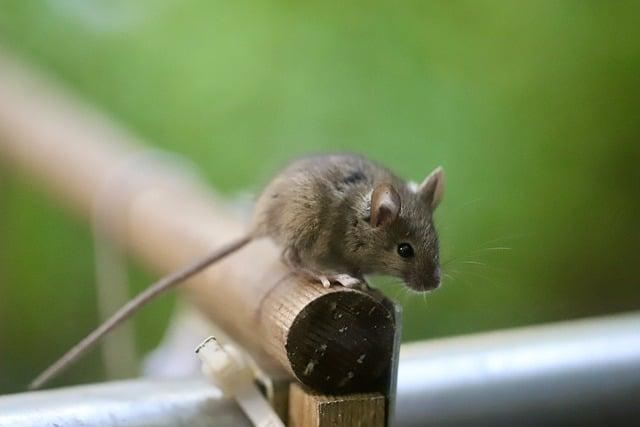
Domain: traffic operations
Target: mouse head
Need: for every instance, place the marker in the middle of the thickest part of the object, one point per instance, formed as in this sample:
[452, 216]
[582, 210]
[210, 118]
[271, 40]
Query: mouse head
[403, 240]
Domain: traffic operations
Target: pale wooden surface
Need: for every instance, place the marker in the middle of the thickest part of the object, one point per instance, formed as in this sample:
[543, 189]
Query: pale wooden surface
[308, 409]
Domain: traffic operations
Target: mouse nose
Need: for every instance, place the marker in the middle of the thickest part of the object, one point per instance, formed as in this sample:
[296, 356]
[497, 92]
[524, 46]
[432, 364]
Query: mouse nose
[437, 276]
[434, 283]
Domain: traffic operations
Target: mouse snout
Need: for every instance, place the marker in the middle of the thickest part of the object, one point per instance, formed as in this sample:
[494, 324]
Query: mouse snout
[433, 280]
[426, 281]
[437, 276]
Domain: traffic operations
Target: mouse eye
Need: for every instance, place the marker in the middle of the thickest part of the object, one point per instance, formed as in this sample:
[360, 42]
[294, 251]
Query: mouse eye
[405, 250]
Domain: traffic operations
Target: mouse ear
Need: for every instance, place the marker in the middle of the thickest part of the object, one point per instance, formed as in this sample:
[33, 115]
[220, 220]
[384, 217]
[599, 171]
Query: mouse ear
[385, 205]
[432, 188]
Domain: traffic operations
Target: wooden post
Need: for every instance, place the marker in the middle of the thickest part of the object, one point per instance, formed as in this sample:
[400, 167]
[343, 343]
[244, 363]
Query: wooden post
[333, 340]
[309, 409]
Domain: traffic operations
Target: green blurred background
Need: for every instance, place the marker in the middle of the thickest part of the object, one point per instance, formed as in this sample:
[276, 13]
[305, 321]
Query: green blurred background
[532, 107]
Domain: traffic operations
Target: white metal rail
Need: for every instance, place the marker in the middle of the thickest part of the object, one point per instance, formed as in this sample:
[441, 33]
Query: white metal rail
[580, 372]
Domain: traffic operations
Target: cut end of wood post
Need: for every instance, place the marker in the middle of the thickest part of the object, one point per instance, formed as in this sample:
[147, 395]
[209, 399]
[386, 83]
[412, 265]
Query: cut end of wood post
[336, 340]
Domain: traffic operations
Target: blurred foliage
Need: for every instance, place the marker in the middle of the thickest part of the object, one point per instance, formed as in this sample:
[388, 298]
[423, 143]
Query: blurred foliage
[532, 107]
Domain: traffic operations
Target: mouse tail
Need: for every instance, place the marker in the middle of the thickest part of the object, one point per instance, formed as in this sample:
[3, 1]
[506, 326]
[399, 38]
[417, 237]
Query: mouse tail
[133, 306]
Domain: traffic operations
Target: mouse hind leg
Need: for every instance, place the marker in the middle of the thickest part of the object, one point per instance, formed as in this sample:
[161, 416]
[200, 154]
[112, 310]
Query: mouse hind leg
[291, 258]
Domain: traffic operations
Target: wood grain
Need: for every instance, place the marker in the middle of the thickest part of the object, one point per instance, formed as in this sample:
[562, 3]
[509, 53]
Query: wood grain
[308, 409]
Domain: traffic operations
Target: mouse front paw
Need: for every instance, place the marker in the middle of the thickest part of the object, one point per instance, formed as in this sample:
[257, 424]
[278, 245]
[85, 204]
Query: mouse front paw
[313, 276]
[349, 281]
[345, 280]
[326, 280]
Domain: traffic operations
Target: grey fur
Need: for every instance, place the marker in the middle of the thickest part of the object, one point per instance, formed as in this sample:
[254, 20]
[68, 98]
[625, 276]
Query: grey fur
[318, 211]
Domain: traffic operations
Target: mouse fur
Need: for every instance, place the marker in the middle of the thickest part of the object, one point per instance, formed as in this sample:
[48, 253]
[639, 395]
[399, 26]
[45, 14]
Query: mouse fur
[319, 209]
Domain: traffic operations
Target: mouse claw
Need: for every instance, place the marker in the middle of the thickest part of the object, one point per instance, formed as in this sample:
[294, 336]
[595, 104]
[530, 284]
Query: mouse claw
[314, 276]
[346, 280]
[325, 281]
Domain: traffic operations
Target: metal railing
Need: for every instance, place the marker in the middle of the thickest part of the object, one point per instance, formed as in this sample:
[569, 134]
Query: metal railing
[579, 372]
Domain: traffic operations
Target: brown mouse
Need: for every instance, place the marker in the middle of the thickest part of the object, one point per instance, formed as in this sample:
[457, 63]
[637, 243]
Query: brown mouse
[337, 218]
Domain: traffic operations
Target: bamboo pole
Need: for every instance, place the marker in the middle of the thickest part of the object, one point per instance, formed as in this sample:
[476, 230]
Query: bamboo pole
[333, 340]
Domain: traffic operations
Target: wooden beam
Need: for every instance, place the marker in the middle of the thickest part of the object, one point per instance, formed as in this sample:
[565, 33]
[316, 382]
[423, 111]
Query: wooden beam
[309, 409]
[333, 340]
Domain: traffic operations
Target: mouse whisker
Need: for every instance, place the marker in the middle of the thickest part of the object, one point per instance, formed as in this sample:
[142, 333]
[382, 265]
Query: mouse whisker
[474, 272]
[474, 263]
[400, 292]
[447, 275]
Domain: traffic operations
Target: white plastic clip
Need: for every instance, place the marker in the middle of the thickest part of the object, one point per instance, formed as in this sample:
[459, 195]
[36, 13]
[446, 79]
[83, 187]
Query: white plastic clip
[226, 368]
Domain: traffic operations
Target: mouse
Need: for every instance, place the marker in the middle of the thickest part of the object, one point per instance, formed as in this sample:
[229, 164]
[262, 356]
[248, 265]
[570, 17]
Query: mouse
[336, 219]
